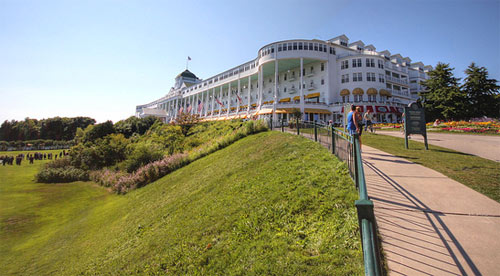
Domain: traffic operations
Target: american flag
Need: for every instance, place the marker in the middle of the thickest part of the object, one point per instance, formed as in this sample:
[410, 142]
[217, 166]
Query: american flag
[181, 109]
[189, 107]
[219, 102]
[239, 99]
[200, 106]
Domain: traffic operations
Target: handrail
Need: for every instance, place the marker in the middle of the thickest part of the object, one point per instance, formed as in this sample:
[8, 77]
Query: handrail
[364, 206]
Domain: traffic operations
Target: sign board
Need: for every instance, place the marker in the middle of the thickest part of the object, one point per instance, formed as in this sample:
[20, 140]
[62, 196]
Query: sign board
[414, 122]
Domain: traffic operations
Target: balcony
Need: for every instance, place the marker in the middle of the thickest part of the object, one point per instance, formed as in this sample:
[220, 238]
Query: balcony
[396, 80]
[310, 74]
[311, 87]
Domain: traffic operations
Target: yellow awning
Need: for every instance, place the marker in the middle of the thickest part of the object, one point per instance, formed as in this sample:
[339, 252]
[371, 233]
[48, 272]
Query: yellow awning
[371, 91]
[313, 95]
[281, 111]
[358, 91]
[285, 100]
[384, 92]
[233, 108]
[296, 98]
[270, 102]
[264, 111]
[254, 105]
[344, 92]
[316, 110]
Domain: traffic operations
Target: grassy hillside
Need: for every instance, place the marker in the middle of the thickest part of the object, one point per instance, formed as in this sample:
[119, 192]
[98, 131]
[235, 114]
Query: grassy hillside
[271, 203]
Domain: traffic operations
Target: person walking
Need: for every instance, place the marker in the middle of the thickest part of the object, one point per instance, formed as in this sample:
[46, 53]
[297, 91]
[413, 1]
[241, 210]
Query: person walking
[351, 121]
[359, 123]
[368, 120]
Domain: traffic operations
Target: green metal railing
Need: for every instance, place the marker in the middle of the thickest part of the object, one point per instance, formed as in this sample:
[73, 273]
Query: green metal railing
[347, 148]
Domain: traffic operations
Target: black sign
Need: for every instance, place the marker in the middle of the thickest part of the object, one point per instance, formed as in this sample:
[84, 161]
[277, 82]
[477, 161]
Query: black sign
[414, 122]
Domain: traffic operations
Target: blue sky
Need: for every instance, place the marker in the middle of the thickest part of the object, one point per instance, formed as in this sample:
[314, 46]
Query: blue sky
[102, 58]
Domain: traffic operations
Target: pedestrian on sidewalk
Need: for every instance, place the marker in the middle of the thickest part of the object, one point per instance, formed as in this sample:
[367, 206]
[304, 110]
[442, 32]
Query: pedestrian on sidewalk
[351, 123]
[359, 123]
[368, 120]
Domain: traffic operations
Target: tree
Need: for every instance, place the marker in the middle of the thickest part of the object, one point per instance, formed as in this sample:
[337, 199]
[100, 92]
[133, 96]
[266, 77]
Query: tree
[186, 121]
[482, 93]
[443, 97]
[94, 132]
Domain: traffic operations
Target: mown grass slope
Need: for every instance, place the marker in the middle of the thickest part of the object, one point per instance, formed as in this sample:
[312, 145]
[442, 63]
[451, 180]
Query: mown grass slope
[271, 203]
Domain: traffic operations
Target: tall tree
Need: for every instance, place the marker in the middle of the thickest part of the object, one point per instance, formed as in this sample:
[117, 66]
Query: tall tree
[482, 92]
[443, 97]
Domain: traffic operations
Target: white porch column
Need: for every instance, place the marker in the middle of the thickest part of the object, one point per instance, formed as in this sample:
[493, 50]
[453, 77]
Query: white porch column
[196, 103]
[260, 84]
[248, 88]
[213, 102]
[276, 75]
[301, 86]
[238, 94]
[228, 100]
[220, 100]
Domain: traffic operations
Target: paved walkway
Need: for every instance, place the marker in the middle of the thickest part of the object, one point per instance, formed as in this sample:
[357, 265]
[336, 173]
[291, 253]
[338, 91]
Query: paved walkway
[430, 224]
[481, 145]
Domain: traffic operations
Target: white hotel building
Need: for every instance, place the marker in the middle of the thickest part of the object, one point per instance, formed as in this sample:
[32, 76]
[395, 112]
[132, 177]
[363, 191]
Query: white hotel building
[318, 77]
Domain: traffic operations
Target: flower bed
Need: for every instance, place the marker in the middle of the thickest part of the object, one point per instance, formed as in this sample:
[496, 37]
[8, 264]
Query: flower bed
[491, 127]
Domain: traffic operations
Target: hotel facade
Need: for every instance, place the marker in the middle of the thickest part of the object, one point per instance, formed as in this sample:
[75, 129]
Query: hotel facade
[315, 76]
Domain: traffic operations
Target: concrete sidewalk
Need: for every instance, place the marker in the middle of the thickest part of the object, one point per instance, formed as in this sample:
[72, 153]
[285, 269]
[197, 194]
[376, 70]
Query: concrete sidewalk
[430, 224]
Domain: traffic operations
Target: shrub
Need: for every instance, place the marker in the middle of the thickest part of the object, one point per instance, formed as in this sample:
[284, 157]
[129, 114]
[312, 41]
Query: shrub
[141, 154]
[61, 175]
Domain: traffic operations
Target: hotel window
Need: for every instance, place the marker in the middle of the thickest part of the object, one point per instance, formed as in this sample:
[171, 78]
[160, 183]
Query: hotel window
[300, 45]
[304, 85]
[345, 78]
[358, 98]
[332, 51]
[344, 64]
[372, 98]
[284, 77]
[289, 46]
[324, 48]
[270, 80]
[381, 78]
[303, 71]
[284, 46]
[357, 77]
[370, 62]
[380, 64]
[305, 46]
[315, 46]
[343, 43]
[312, 69]
[272, 50]
[322, 81]
[345, 99]
[310, 46]
[356, 62]
[295, 45]
[284, 89]
[383, 98]
[370, 77]
[322, 67]
[293, 74]
[321, 47]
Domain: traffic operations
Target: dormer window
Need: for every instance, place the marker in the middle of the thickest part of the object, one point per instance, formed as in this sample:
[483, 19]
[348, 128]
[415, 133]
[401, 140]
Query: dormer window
[343, 43]
[360, 49]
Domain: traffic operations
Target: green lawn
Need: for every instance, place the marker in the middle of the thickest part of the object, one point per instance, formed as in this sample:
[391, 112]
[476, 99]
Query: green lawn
[480, 174]
[270, 204]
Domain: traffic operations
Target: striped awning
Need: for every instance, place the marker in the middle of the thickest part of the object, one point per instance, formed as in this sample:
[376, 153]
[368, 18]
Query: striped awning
[312, 95]
[264, 111]
[384, 92]
[358, 91]
[296, 98]
[371, 91]
[317, 110]
[344, 92]
[285, 100]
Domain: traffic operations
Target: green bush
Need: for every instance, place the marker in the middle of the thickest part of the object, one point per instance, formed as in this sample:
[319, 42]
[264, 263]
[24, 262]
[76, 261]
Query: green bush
[142, 153]
[61, 175]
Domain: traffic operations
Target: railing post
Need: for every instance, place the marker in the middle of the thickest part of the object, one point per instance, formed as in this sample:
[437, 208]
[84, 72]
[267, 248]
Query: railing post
[356, 169]
[315, 132]
[298, 127]
[271, 121]
[282, 125]
[333, 140]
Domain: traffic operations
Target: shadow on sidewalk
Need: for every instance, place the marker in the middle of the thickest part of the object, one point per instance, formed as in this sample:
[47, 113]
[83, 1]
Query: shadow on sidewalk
[414, 237]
